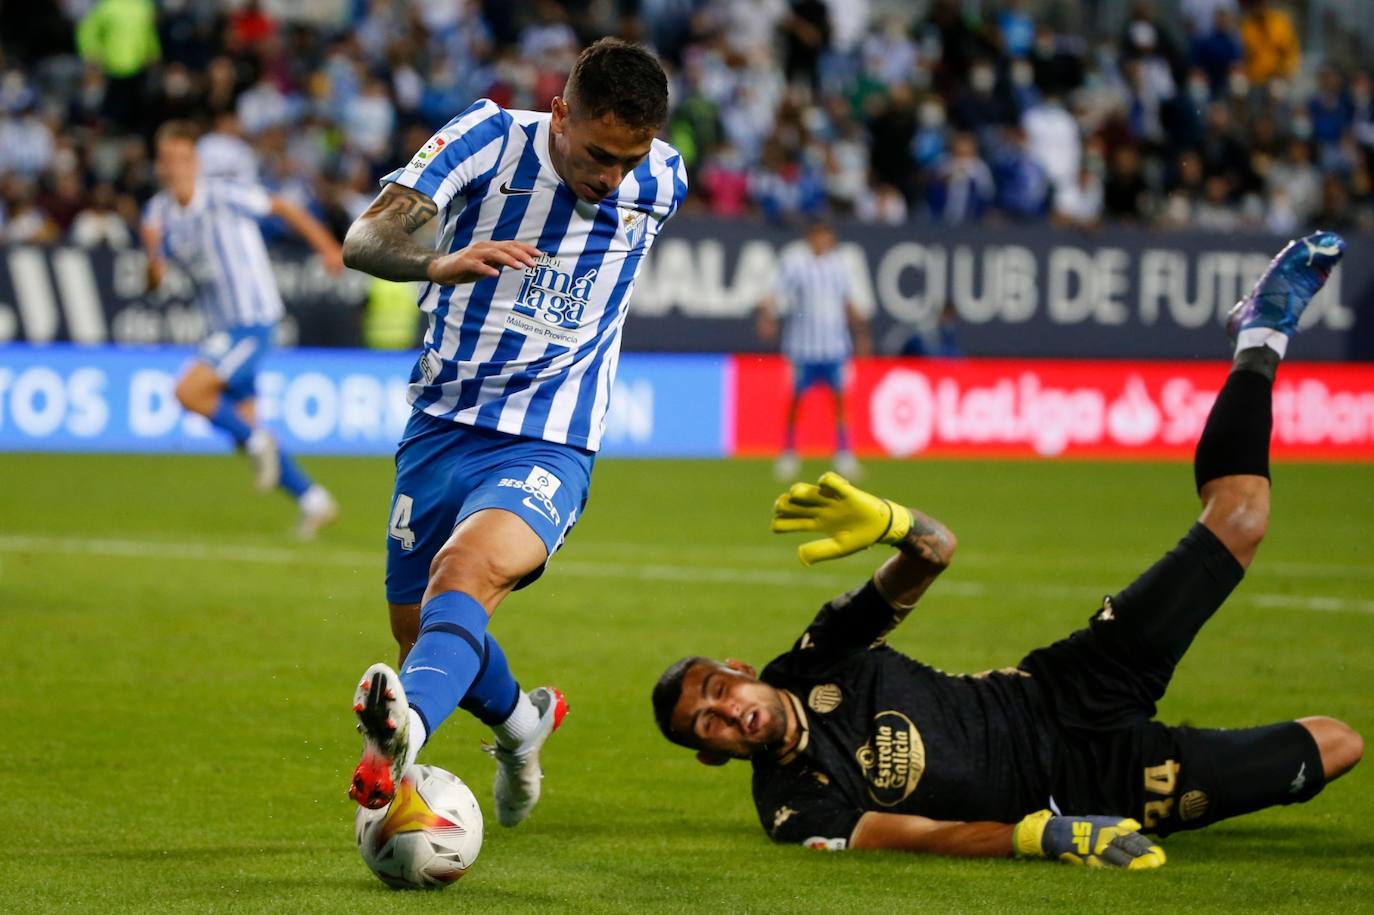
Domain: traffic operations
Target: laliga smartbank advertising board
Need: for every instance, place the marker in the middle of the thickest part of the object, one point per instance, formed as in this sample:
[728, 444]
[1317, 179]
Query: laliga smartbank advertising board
[339, 401]
[1051, 408]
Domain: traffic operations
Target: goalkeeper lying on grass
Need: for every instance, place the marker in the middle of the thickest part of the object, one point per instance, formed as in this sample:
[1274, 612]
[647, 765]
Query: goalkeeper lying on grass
[855, 745]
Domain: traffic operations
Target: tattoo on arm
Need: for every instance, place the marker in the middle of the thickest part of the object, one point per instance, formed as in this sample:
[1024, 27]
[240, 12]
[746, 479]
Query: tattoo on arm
[379, 241]
[922, 555]
[928, 541]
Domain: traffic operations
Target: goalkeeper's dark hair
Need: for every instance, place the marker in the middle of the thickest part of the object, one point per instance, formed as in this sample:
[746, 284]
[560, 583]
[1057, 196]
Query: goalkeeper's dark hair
[667, 691]
[615, 77]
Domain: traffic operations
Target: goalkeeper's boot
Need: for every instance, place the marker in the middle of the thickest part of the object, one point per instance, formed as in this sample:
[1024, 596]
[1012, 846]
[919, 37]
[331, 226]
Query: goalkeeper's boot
[1292, 278]
[516, 788]
[266, 457]
[384, 722]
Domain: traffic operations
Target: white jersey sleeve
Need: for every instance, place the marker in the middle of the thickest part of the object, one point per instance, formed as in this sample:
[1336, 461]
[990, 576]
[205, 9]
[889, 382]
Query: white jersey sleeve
[465, 152]
[248, 199]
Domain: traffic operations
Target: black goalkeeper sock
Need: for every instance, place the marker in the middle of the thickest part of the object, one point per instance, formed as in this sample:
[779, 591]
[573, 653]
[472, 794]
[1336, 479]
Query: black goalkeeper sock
[1260, 359]
[1236, 437]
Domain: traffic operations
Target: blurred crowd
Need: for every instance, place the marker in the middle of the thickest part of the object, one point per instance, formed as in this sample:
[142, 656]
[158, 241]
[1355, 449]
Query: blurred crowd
[879, 111]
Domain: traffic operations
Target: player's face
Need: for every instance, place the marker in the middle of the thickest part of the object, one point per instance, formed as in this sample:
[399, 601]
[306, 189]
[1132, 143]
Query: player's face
[176, 162]
[821, 238]
[729, 712]
[594, 156]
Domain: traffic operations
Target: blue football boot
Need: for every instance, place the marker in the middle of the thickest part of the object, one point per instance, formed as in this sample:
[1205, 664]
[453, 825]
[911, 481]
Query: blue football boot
[1292, 278]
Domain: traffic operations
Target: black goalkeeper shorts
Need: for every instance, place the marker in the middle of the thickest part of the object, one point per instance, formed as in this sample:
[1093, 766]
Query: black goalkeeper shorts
[1192, 777]
[1102, 684]
[1112, 673]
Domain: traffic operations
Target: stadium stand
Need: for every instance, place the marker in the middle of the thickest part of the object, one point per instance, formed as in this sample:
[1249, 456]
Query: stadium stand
[1204, 114]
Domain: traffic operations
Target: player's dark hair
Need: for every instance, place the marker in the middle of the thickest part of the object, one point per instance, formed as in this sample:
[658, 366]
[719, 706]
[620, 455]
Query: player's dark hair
[615, 77]
[667, 691]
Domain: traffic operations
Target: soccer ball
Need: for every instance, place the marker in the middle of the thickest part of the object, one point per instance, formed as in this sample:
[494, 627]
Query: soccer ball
[428, 836]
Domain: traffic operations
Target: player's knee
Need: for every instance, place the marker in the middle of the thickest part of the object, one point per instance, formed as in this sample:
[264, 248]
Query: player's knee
[1249, 528]
[195, 396]
[1248, 517]
[451, 568]
[1257, 518]
[1237, 511]
[459, 567]
[1347, 752]
[185, 393]
[1341, 746]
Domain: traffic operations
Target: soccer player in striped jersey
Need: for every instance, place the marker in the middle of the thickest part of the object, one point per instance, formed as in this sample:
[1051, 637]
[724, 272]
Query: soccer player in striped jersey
[208, 227]
[545, 219]
[818, 313]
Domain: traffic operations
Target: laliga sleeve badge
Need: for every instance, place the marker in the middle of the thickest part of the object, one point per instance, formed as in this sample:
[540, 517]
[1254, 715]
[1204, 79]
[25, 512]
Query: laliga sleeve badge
[634, 223]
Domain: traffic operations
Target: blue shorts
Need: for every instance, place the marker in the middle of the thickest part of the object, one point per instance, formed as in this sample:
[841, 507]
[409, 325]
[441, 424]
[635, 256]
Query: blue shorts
[807, 374]
[234, 354]
[446, 471]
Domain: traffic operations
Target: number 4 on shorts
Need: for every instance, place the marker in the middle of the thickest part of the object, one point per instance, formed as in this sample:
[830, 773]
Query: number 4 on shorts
[399, 526]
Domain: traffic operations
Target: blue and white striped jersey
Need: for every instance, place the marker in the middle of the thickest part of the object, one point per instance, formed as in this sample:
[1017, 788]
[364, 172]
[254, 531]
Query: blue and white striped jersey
[813, 292]
[216, 241]
[533, 352]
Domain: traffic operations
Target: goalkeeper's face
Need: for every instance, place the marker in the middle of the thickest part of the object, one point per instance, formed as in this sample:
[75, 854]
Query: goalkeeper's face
[724, 709]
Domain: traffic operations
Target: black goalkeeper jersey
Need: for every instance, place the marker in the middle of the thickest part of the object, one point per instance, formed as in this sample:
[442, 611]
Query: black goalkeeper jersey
[880, 731]
[1070, 728]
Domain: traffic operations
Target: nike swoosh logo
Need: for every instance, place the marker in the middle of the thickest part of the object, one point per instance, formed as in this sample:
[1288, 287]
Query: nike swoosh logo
[508, 190]
[411, 670]
[1314, 250]
[529, 503]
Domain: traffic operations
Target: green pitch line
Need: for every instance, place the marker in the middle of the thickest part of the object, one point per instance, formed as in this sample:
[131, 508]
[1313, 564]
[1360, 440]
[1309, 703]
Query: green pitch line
[180, 672]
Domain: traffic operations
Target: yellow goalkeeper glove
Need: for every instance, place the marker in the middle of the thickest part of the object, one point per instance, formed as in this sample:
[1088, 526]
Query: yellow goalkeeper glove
[850, 518]
[1086, 841]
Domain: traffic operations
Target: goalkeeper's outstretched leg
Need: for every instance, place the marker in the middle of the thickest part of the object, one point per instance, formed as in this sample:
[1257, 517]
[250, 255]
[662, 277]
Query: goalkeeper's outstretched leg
[1231, 465]
[1124, 661]
[1149, 625]
[1255, 768]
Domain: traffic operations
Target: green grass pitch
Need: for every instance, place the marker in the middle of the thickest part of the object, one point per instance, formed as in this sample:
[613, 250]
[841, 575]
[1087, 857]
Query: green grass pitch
[177, 733]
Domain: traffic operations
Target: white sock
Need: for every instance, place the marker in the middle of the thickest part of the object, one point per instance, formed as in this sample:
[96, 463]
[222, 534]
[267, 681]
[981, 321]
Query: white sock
[523, 721]
[418, 736]
[1262, 336]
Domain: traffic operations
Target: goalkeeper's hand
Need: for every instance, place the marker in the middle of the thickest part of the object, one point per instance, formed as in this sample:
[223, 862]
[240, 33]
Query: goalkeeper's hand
[1086, 841]
[850, 518]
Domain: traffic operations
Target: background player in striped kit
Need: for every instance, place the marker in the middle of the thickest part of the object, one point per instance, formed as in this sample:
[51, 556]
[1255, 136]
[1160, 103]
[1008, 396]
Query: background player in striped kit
[209, 228]
[818, 314]
[545, 219]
